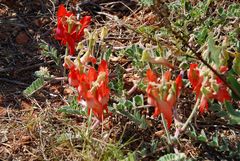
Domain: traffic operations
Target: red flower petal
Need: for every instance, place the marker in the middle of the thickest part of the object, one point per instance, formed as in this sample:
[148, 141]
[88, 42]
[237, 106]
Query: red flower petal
[151, 76]
[61, 11]
[70, 44]
[97, 108]
[171, 100]
[103, 67]
[85, 21]
[92, 75]
[164, 108]
[195, 79]
[203, 104]
[103, 94]
[167, 75]
[179, 85]
[223, 69]
[222, 94]
[92, 60]
[82, 91]
[73, 77]
[193, 75]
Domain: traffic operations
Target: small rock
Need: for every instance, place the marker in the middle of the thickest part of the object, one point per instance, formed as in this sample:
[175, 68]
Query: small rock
[25, 105]
[68, 91]
[22, 38]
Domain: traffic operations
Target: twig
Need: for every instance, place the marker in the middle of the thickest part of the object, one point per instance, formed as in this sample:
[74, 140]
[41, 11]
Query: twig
[134, 88]
[191, 115]
[14, 82]
[119, 2]
[5, 70]
[143, 106]
[34, 66]
[121, 38]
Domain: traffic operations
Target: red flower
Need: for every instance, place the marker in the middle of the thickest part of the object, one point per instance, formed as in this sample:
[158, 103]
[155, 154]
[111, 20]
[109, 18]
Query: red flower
[97, 99]
[151, 76]
[203, 104]
[179, 85]
[92, 87]
[164, 108]
[94, 105]
[74, 77]
[223, 69]
[165, 102]
[68, 31]
[196, 81]
[193, 75]
[222, 94]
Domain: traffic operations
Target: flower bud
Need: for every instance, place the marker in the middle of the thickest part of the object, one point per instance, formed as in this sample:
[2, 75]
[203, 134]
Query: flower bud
[145, 56]
[85, 57]
[68, 63]
[80, 46]
[104, 32]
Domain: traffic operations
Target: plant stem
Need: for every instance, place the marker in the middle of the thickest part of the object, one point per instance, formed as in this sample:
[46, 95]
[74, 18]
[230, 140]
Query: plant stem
[64, 69]
[191, 115]
[166, 129]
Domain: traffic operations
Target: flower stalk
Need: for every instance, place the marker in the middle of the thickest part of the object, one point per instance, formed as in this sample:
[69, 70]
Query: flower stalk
[193, 113]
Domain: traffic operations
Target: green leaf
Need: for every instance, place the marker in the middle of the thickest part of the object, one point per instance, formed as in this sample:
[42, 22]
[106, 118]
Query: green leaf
[138, 100]
[134, 53]
[222, 114]
[107, 54]
[70, 110]
[147, 2]
[193, 133]
[149, 30]
[225, 145]
[173, 157]
[236, 64]
[214, 142]
[202, 137]
[221, 12]
[202, 35]
[35, 86]
[135, 117]
[130, 157]
[231, 80]
[234, 10]
[49, 51]
[233, 114]
[117, 84]
[215, 107]
[129, 105]
[214, 50]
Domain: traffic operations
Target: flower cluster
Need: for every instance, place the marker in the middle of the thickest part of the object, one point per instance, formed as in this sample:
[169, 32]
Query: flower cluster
[92, 86]
[207, 86]
[163, 94]
[69, 29]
